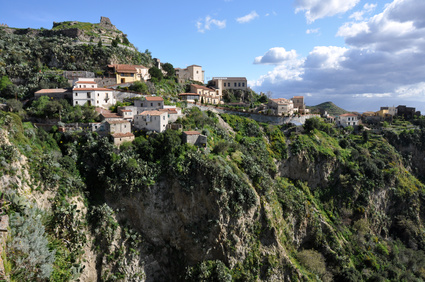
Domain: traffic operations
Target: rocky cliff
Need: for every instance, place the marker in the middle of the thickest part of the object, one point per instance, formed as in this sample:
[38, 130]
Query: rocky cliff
[260, 202]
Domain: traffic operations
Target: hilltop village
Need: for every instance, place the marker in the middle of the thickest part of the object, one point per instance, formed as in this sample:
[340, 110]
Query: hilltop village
[151, 113]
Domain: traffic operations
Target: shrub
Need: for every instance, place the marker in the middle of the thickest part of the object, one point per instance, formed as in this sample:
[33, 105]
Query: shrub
[313, 261]
[28, 249]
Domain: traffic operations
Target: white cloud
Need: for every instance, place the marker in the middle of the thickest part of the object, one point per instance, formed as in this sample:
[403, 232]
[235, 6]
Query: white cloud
[416, 90]
[367, 8]
[317, 9]
[310, 31]
[205, 24]
[383, 63]
[248, 18]
[275, 56]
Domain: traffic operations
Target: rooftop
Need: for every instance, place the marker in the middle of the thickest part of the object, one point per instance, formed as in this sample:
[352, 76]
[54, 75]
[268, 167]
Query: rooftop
[281, 101]
[229, 78]
[201, 87]
[117, 121]
[152, 113]
[91, 89]
[126, 68]
[348, 115]
[154, 98]
[188, 94]
[120, 135]
[191, 133]
[57, 90]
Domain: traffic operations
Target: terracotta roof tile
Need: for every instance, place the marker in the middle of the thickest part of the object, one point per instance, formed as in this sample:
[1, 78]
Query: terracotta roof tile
[154, 98]
[120, 135]
[117, 121]
[58, 90]
[152, 113]
[191, 133]
[91, 89]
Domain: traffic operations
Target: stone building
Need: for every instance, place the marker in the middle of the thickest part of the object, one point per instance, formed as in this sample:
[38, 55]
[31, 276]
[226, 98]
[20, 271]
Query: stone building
[193, 72]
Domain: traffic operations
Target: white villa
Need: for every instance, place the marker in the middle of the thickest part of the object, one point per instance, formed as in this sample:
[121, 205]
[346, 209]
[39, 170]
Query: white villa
[85, 90]
[151, 120]
[349, 119]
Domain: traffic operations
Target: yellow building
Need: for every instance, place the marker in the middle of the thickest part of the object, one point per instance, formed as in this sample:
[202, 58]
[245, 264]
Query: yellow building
[129, 73]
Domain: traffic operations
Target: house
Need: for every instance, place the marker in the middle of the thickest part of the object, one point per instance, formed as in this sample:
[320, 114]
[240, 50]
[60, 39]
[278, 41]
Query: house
[349, 119]
[120, 131]
[85, 91]
[99, 127]
[226, 83]
[207, 95]
[118, 126]
[190, 97]
[407, 112]
[120, 138]
[106, 115]
[299, 104]
[149, 103]
[127, 112]
[58, 93]
[195, 138]
[173, 113]
[129, 73]
[387, 111]
[193, 72]
[281, 106]
[151, 120]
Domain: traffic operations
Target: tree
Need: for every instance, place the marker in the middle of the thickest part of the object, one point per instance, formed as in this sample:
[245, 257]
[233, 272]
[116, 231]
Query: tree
[156, 74]
[99, 44]
[14, 105]
[169, 68]
[125, 41]
[4, 82]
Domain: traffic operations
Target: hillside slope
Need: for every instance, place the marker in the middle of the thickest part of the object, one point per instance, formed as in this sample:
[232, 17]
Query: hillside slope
[34, 59]
[255, 204]
[330, 107]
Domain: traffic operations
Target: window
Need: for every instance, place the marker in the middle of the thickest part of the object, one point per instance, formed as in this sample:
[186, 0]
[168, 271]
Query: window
[239, 84]
[76, 102]
[98, 94]
[159, 104]
[163, 118]
[76, 94]
[243, 84]
[97, 102]
[92, 86]
[88, 94]
[235, 84]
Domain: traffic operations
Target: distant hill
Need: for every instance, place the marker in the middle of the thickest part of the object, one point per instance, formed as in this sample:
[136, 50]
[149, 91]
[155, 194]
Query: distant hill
[330, 107]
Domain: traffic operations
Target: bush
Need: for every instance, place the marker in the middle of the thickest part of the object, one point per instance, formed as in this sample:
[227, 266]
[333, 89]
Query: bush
[28, 249]
[313, 261]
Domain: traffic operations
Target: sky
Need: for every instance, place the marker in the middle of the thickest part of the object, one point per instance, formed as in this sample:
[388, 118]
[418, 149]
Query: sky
[359, 54]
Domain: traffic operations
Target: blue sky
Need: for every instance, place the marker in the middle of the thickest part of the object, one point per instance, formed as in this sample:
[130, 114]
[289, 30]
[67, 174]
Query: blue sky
[358, 54]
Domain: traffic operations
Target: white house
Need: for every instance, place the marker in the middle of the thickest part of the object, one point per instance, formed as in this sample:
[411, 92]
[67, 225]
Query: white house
[85, 90]
[349, 119]
[151, 120]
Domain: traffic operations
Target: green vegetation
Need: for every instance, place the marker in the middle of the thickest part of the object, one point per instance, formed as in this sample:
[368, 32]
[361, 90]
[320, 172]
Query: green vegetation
[330, 107]
[49, 57]
[344, 234]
